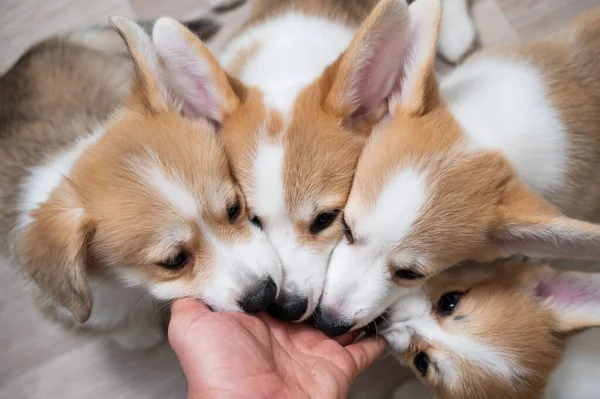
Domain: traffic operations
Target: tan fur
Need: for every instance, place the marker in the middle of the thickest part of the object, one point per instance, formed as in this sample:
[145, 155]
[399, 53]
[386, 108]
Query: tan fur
[322, 139]
[105, 218]
[477, 196]
[499, 308]
[327, 151]
[349, 12]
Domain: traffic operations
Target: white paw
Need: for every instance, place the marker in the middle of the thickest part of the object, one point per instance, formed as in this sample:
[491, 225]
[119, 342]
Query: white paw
[137, 338]
[413, 389]
[457, 32]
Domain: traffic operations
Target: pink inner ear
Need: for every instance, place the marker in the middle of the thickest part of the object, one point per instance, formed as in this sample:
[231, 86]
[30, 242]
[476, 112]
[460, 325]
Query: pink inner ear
[195, 90]
[568, 290]
[381, 75]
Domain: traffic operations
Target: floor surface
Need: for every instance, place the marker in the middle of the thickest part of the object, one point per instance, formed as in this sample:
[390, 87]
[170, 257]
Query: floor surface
[38, 360]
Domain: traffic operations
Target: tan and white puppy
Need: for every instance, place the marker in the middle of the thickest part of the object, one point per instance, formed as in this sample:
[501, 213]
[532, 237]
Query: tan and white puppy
[293, 103]
[500, 331]
[500, 158]
[294, 93]
[113, 205]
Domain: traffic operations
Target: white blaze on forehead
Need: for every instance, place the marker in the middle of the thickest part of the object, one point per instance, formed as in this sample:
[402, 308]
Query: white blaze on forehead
[268, 191]
[173, 190]
[395, 210]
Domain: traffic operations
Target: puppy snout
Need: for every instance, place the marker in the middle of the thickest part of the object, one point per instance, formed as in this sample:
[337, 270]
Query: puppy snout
[331, 323]
[259, 296]
[289, 308]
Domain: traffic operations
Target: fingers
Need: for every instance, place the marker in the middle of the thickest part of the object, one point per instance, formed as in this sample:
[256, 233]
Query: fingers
[347, 338]
[186, 307]
[366, 351]
[184, 312]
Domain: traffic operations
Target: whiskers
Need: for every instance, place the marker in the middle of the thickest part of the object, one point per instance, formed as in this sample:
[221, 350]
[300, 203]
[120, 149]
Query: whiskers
[162, 308]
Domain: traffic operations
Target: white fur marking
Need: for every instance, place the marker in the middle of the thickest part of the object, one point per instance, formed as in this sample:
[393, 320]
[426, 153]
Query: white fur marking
[503, 106]
[268, 194]
[174, 191]
[293, 51]
[44, 179]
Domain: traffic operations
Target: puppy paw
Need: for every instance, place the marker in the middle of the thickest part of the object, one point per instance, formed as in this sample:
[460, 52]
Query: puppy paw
[457, 32]
[137, 338]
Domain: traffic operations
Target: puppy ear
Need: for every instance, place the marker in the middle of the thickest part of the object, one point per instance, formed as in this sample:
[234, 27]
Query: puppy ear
[193, 72]
[149, 93]
[392, 54]
[572, 297]
[52, 250]
[531, 226]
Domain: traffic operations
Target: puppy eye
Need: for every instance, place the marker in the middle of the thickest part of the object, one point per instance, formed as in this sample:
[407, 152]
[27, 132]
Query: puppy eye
[323, 221]
[348, 232]
[447, 303]
[408, 274]
[255, 220]
[233, 212]
[176, 262]
[421, 363]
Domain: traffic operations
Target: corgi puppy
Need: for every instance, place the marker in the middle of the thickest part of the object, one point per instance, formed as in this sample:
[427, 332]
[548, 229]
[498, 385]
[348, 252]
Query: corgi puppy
[509, 330]
[109, 205]
[294, 94]
[498, 159]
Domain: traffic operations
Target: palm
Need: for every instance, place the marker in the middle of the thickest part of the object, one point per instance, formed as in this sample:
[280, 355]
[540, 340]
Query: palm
[261, 357]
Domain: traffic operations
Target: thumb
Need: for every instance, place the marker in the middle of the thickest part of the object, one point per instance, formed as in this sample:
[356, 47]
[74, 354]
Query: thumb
[366, 351]
[184, 313]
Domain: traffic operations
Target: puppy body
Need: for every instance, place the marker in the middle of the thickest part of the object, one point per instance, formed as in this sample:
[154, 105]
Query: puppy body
[295, 93]
[496, 160]
[113, 197]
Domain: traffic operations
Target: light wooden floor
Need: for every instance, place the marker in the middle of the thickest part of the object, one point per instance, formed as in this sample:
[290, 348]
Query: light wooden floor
[39, 360]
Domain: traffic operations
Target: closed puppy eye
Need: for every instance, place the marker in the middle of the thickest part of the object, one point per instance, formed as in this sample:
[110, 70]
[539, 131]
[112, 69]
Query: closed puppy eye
[175, 262]
[408, 274]
[421, 362]
[255, 220]
[347, 232]
[323, 221]
[234, 210]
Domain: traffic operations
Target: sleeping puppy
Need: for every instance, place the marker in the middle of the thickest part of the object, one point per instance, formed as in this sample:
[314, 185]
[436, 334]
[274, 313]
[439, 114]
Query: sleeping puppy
[116, 193]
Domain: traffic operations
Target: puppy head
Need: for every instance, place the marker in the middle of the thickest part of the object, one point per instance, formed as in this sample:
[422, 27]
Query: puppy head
[152, 201]
[491, 330]
[423, 200]
[294, 150]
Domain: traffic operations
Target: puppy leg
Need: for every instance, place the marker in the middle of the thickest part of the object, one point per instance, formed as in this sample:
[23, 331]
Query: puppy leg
[457, 32]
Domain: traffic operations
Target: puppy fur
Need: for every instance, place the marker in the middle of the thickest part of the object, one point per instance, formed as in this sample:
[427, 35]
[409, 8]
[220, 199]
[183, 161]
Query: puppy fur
[514, 332]
[116, 194]
[295, 93]
[498, 159]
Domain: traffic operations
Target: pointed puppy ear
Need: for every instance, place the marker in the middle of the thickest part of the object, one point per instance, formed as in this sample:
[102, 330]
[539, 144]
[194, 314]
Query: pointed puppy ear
[149, 93]
[52, 250]
[392, 54]
[531, 226]
[194, 73]
[572, 297]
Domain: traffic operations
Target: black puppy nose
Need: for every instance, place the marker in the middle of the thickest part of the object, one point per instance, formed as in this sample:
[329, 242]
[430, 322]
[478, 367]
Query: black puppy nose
[288, 309]
[259, 296]
[330, 324]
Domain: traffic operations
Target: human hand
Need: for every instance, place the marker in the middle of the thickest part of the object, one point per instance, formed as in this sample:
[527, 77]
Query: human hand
[233, 355]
